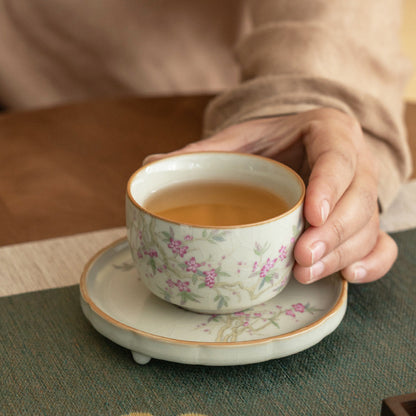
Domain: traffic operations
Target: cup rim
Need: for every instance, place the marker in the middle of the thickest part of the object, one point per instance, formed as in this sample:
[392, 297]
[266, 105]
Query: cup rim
[222, 227]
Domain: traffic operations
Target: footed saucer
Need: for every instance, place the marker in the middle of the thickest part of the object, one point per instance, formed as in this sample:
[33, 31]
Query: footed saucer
[121, 308]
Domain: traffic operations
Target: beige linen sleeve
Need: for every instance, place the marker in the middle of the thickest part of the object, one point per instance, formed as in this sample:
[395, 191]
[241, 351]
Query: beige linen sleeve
[306, 54]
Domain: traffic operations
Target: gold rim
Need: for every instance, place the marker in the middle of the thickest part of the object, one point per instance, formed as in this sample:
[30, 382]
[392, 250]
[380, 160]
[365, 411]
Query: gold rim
[225, 227]
[342, 298]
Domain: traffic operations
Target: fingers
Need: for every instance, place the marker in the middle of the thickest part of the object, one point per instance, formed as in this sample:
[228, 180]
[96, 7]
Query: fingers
[233, 138]
[355, 210]
[265, 137]
[376, 264]
[348, 252]
[333, 143]
[371, 261]
[341, 197]
[340, 205]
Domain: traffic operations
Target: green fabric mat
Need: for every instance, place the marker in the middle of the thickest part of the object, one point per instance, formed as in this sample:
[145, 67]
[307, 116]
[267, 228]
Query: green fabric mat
[54, 363]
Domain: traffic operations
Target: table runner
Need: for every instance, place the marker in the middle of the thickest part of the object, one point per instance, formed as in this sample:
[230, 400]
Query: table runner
[54, 363]
[50, 263]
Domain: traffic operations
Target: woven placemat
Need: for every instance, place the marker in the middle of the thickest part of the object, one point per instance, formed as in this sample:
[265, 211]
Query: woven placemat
[54, 363]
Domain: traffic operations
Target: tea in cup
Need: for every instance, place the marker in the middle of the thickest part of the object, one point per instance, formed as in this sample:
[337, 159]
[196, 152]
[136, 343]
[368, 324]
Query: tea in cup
[214, 232]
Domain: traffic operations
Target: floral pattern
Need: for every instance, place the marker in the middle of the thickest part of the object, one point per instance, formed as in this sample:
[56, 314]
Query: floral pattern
[252, 321]
[178, 269]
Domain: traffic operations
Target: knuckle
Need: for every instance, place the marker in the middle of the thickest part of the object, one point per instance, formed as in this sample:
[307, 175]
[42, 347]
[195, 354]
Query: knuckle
[353, 126]
[338, 119]
[338, 258]
[346, 160]
[368, 200]
[338, 231]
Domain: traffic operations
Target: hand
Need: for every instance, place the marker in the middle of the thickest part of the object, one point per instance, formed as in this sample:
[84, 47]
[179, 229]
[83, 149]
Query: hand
[341, 196]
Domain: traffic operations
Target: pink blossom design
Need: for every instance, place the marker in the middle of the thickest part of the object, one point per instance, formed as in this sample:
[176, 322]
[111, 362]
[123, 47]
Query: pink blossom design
[183, 250]
[151, 253]
[283, 253]
[174, 245]
[257, 314]
[183, 286]
[139, 253]
[177, 247]
[289, 312]
[192, 265]
[210, 278]
[255, 266]
[299, 307]
[188, 238]
[269, 264]
[239, 313]
[170, 283]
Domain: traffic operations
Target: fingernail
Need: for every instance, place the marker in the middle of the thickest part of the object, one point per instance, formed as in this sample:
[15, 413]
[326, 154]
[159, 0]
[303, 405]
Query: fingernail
[317, 251]
[324, 210]
[359, 273]
[315, 271]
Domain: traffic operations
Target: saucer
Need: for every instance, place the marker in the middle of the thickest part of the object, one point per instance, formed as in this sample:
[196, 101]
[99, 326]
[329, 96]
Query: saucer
[120, 307]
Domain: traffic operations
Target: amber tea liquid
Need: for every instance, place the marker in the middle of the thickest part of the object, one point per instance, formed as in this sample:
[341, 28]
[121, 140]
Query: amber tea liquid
[209, 203]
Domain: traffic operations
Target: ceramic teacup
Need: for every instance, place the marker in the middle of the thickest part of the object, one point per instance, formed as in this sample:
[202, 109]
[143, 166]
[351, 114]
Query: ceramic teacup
[214, 269]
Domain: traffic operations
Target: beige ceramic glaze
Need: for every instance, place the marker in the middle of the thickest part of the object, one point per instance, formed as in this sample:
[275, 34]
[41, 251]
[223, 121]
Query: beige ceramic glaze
[208, 269]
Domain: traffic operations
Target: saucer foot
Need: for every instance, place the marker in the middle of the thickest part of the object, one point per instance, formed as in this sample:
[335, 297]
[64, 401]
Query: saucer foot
[140, 358]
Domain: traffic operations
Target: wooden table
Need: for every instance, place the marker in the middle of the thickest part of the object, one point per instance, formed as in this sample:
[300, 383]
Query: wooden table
[64, 170]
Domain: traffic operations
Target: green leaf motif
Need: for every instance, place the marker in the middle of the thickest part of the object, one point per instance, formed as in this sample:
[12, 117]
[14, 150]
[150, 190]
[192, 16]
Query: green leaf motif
[166, 235]
[185, 296]
[222, 301]
[259, 250]
[153, 264]
[274, 323]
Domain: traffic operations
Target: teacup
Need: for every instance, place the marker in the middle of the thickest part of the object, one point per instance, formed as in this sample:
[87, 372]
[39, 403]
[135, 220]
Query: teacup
[214, 269]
